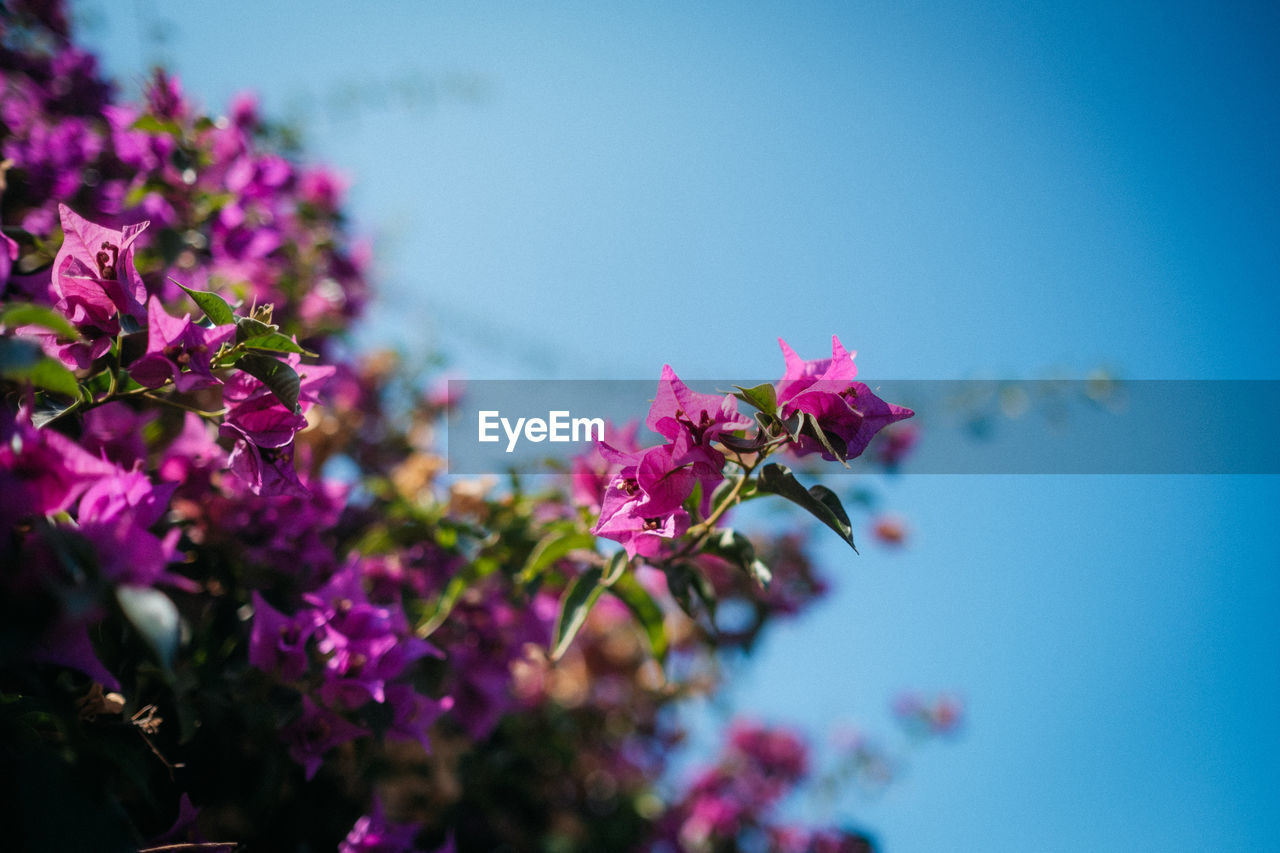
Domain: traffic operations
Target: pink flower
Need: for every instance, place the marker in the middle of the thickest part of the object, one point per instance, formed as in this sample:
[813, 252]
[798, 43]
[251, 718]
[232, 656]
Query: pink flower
[93, 274]
[846, 411]
[174, 344]
[316, 732]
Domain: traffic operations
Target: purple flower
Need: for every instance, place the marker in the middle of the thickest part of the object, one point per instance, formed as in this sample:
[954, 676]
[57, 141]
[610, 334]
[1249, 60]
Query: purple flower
[844, 409]
[316, 732]
[267, 471]
[278, 643]
[114, 431]
[676, 409]
[42, 471]
[93, 273]
[174, 344]
[414, 714]
[373, 833]
[834, 373]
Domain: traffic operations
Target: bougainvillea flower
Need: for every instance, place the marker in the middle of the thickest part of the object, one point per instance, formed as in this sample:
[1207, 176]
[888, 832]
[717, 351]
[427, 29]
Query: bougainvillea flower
[42, 471]
[278, 643]
[676, 408]
[114, 430]
[624, 520]
[854, 415]
[316, 732]
[93, 273]
[833, 373]
[255, 412]
[125, 494]
[373, 833]
[267, 471]
[414, 713]
[178, 350]
[844, 409]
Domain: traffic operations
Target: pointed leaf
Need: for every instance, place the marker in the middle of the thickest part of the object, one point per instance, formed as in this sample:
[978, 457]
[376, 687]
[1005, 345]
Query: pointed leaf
[836, 448]
[551, 548]
[276, 342]
[213, 305]
[279, 377]
[763, 397]
[615, 568]
[820, 501]
[575, 604]
[750, 444]
[250, 327]
[630, 592]
[686, 584]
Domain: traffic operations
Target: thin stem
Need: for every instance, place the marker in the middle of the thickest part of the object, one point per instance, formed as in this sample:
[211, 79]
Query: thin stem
[169, 402]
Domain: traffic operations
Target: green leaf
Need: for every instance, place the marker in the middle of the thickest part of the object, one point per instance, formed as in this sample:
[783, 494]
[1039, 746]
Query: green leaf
[820, 501]
[575, 604]
[38, 315]
[275, 342]
[750, 444]
[615, 568]
[248, 327]
[279, 377]
[763, 397]
[737, 549]
[581, 596]
[812, 427]
[648, 614]
[154, 124]
[22, 360]
[213, 305]
[551, 548]
[688, 585]
[53, 375]
[444, 606]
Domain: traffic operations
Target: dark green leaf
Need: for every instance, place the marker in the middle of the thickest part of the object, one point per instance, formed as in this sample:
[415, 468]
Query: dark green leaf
[737, 549]
[820, 501]
[213, 305]
[749, 444]
[833, 443]
[275, 342]
[630, 592]
[686, 584]
[575, 604]
[763, 397]
[279, 377]
[38, 315]
[249, 327]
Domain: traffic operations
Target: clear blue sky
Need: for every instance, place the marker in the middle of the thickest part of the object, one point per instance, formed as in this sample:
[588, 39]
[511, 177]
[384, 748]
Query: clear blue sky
[588, 190]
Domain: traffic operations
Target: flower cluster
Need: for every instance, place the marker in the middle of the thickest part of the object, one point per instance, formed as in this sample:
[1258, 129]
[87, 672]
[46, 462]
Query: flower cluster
[815, 408]
[207, 636]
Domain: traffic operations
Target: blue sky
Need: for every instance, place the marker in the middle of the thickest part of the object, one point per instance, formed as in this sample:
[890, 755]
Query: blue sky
[589, 190]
